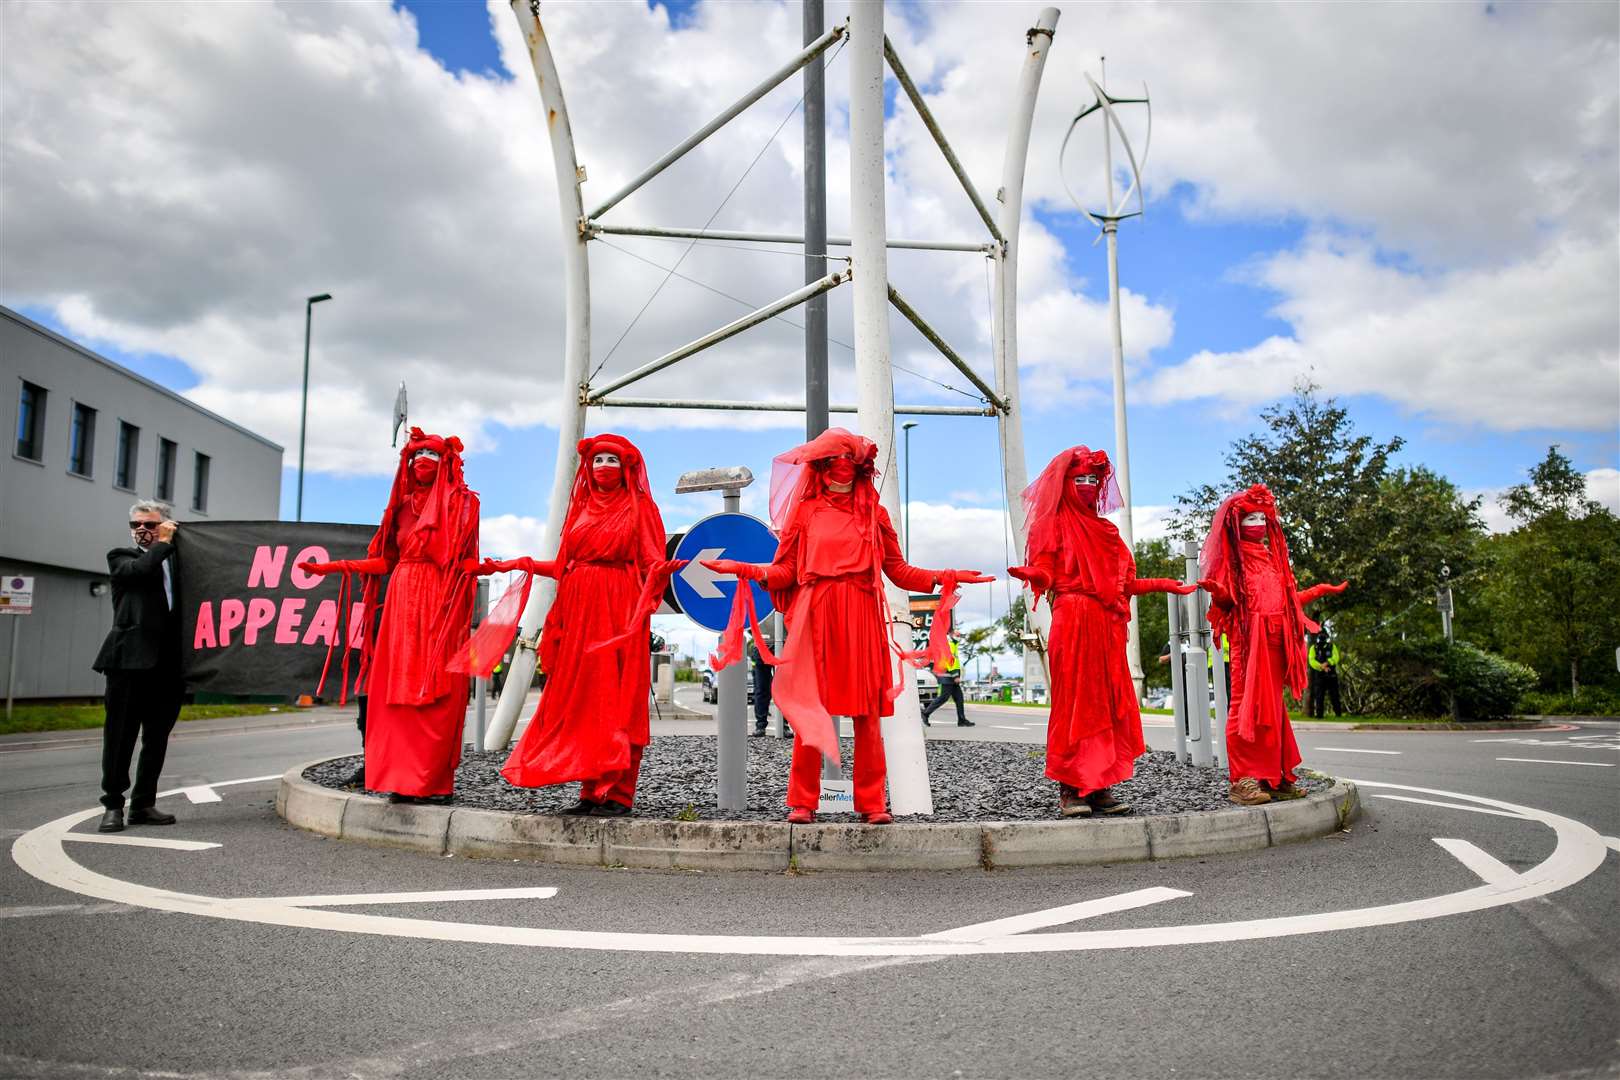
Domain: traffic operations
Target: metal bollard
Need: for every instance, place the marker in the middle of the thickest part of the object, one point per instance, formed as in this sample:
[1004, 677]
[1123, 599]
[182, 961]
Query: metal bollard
[1178, 701]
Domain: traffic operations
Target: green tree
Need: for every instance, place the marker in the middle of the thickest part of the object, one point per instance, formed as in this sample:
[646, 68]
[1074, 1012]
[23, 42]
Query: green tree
[1554, 587]
[1011, 626]
[1154, 558]
[1326, 478]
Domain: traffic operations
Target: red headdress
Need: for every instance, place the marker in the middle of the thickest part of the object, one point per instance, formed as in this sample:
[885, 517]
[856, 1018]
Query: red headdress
[1070, 537]
[795, 474]
[628, 507]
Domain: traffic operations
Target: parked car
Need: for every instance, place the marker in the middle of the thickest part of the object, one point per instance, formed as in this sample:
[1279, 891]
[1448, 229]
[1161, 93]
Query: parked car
[711, 687]
[1157, 697]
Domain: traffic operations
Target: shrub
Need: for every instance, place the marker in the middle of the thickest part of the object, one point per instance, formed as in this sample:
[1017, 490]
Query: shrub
[1593, 701]
[1417, 677]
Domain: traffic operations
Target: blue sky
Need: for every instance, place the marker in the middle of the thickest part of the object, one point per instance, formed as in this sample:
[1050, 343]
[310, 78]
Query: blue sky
[1199, 267]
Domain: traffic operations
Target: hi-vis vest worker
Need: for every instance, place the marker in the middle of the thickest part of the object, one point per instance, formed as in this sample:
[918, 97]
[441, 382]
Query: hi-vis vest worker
[955, 666]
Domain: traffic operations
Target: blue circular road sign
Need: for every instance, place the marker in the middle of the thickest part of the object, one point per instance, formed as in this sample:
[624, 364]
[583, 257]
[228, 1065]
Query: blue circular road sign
[705, 596]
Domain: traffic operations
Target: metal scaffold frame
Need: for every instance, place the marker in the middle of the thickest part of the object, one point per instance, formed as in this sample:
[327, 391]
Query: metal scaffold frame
[866, 270]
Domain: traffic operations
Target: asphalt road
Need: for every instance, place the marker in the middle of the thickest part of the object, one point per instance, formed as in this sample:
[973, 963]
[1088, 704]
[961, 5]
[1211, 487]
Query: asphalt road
[99, 986]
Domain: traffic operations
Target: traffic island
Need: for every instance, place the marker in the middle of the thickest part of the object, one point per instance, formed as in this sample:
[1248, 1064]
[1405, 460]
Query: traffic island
[994, 810]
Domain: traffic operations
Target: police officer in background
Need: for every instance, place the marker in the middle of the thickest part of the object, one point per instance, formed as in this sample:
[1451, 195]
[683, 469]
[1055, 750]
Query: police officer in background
[141, 660]
[1323, 657]
[950, 687]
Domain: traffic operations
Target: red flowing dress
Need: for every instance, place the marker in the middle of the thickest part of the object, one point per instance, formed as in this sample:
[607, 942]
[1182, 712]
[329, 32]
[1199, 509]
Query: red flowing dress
[839, 658]
[591, 724]
[1094, 733]
[1257, 605]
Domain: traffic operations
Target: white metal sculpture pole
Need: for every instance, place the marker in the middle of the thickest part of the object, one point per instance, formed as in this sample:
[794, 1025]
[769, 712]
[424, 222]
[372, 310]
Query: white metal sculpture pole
[909, 792]
[576, 356]
[1015, 471]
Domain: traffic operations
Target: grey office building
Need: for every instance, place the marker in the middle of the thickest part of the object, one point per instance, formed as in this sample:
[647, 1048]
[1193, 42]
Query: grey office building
[92, 437]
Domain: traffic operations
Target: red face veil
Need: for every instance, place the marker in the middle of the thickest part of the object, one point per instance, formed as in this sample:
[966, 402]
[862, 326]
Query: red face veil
[613, 498]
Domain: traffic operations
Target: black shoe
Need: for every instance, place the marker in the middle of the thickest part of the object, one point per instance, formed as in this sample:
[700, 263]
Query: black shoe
[926, 723]
[759, 732]
[582, 808]
[966, 723]
[150, 816]
[111, 821]
[610, 809]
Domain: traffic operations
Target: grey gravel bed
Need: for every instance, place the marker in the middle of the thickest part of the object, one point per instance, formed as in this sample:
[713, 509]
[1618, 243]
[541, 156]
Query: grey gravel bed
[972, 781]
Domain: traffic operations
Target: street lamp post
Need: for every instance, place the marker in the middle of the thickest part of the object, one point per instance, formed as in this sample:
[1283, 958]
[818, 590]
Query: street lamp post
[303, 408]
[906, 428]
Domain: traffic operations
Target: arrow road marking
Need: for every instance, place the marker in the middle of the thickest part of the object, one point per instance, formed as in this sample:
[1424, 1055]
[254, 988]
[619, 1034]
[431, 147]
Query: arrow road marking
[1491, 870]
[139, 841]
[1035, 920]
[201, 793]
[347, 899]
[701, 578]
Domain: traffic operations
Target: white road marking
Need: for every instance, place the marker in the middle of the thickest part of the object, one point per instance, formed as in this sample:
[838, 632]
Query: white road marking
[63, 909]
[1490, 869]
[1552, 761]
[1035, 920]
[235, 783]
[139, 841]
[1612, 841]
[1348, 750]
[348, 899]
[1007, 727]
[1578, 853]
[202, 793]
[1452, 806]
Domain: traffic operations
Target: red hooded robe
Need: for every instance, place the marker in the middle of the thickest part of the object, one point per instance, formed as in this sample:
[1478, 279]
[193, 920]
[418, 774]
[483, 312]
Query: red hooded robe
[1257, 604]
[835, 548]
[1094, 734]
[414, 707]
[591, 724]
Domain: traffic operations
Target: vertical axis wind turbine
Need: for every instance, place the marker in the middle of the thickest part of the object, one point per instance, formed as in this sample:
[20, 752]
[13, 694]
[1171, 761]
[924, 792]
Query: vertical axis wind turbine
[1108, 221]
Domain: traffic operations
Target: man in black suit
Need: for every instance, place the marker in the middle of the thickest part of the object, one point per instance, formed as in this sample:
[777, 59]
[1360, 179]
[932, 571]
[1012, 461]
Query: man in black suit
[141, 659]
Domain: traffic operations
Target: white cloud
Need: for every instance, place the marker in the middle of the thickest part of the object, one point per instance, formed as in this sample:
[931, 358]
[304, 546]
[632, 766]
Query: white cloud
[1468, 346]
[1602, 487]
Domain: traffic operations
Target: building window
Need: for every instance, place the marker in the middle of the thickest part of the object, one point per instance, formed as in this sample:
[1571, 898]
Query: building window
[31, 422]
[129, 450]
[167, 452]
[199, 482]
[82, 440]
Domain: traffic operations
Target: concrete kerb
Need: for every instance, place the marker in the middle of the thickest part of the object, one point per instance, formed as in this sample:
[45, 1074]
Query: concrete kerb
[774, 845]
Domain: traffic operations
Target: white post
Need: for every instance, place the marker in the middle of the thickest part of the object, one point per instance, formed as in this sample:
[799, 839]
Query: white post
[1122, 445]
[1005, 293]
[576, 355]
[909, 792]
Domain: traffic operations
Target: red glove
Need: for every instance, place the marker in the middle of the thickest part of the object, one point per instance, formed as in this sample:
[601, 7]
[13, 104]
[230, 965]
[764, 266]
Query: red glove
[1160, 584]
[963, 577]
[751, 571]
[1215, 589]
[321, 568]
[351, 566]
[1038, 578]
[668, 568]
[1317, 591]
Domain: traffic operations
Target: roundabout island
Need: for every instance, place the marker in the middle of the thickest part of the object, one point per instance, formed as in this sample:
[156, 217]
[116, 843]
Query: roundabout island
[993, 812]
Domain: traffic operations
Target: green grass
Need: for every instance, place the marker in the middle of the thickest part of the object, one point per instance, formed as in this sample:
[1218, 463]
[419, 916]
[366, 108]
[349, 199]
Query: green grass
[74, 717]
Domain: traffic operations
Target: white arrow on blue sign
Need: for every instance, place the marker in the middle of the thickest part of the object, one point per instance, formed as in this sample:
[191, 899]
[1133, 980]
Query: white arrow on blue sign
[705, 596]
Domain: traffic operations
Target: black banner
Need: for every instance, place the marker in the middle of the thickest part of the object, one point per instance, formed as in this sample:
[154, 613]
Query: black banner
[253, 623]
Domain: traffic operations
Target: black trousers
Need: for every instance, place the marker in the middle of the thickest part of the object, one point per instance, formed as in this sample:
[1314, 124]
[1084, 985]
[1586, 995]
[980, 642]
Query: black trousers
[1323, 684]
[950, 689]
[762, 694]
[144, 703]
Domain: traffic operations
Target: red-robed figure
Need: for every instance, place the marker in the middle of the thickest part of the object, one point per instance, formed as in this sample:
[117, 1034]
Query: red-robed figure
[1094, 735]
[835, 545]
[591, 724]
[1256, 603]
[414, 707]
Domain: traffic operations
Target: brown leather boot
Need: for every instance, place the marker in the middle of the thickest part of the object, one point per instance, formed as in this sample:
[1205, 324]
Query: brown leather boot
[1103, 802]
[1248, 792]
[1071, 803]
[1286, 790]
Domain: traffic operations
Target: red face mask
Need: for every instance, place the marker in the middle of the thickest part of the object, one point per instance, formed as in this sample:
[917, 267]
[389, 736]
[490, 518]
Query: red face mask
[1087, 494]
[607, 477]
[423, 470]
[841, 471]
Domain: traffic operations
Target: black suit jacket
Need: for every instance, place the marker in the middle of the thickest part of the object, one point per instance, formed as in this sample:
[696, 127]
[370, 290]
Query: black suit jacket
[145, 633]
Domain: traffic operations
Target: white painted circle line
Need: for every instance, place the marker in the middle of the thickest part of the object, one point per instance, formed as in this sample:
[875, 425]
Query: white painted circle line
[1578, 853]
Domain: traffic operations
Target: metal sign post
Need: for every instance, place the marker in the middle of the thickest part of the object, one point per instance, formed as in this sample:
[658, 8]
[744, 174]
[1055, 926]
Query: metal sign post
[1195, 669]
[730, 534]
[480, 684]
[16, 598]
